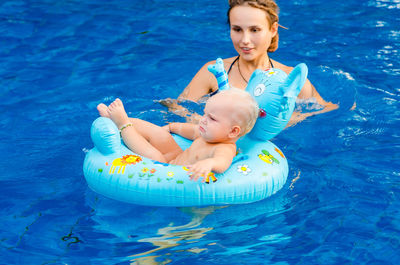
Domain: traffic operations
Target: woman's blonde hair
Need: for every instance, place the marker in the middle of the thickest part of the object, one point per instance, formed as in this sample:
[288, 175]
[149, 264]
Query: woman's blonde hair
[270, 7]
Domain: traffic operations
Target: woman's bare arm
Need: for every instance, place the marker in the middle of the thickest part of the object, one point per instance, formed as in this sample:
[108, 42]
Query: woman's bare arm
[202, 83]
[307, 92]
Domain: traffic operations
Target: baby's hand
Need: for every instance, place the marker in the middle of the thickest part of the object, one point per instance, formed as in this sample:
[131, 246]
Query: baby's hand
[200, 169]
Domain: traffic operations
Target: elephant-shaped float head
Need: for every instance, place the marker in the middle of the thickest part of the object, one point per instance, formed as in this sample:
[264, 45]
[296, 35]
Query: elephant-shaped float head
[275, 93]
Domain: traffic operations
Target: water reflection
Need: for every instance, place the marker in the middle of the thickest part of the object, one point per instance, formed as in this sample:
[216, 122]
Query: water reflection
[172, 236]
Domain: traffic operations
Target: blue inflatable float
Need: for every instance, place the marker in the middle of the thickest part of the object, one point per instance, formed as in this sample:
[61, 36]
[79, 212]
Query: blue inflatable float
[259, 169]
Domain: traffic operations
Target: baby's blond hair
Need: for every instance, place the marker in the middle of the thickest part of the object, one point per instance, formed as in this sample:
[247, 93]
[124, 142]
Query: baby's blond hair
[244, 109]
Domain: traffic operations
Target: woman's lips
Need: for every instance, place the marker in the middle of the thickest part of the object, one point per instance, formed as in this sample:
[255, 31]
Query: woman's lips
[201, 129]
[246, 50]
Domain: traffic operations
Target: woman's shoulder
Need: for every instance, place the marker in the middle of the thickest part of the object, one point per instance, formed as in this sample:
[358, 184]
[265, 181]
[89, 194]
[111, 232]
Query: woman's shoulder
[308, 90]
[227, 62]
[230, 60]
[283, 67]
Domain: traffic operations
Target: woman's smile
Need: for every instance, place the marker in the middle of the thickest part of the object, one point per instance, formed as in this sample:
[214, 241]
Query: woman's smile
[246, 49]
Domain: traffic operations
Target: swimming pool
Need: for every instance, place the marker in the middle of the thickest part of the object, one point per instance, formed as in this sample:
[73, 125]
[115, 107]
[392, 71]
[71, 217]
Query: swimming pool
[61, 58]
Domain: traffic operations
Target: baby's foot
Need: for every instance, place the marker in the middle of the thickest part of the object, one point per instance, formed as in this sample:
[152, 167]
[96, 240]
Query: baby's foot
[103, 110]
[117, 113]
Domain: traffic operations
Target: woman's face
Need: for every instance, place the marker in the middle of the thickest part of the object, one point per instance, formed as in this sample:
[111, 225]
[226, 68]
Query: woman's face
[251, 33]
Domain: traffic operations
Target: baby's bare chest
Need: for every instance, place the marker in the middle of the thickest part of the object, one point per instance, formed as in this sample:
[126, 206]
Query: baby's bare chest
[199, 150]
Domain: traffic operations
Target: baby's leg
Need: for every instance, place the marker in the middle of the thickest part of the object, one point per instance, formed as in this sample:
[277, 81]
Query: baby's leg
[131, 137]
[103, 110]
[158, 137]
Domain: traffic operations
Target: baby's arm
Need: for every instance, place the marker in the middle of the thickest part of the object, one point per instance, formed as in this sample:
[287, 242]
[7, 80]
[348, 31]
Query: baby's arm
[218, 163]
[187, 130]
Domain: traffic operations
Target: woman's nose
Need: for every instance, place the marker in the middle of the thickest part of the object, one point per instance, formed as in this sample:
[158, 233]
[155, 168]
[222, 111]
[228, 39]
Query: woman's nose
[245, 38]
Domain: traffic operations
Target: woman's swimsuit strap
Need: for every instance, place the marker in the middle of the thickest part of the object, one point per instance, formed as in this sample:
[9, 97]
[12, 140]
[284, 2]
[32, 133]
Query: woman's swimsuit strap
[234, 61]
[237, 58]
[272, 65]
[230, 68]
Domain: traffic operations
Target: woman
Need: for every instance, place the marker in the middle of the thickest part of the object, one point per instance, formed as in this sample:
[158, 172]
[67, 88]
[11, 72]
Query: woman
[254, 34]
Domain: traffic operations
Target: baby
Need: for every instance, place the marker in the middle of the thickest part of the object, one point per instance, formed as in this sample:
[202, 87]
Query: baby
[228, 115]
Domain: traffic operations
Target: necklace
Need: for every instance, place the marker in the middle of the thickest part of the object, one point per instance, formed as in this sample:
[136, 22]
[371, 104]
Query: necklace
[241, 73]
[244, 79]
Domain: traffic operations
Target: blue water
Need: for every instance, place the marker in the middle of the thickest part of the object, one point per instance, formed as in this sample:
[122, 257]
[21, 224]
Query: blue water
[59, 59]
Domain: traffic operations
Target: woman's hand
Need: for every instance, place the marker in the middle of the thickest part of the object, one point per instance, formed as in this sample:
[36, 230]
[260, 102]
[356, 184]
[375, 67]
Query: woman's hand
[172, 105]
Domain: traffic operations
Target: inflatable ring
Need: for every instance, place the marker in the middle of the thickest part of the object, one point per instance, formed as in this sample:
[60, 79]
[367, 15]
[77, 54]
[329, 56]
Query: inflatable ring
[259, 169]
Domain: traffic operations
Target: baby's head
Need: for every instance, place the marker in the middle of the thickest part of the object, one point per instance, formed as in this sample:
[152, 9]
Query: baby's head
[231, 113]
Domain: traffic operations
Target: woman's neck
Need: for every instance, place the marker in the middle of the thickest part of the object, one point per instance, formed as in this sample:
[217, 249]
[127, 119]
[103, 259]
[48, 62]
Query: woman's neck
[261, 62]
[246, 68]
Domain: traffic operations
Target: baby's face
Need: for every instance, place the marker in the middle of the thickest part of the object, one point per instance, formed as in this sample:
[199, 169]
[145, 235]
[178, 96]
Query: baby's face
[217, 121]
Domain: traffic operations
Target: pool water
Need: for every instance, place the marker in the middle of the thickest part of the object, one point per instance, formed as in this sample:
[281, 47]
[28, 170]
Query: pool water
[59, 59]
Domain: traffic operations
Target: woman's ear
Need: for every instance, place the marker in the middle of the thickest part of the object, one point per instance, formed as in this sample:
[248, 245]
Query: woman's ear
[274, 29]
[235, 131]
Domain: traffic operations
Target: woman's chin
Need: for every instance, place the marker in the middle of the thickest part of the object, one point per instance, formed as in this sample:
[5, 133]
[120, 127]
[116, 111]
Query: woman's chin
[248, 56]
